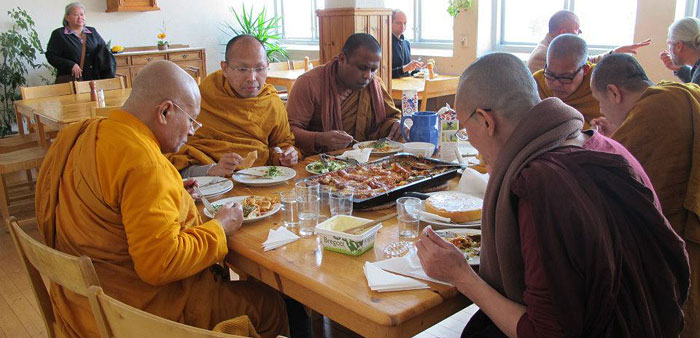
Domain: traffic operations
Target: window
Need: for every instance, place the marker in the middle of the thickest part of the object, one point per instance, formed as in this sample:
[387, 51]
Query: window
[431, 28]
[521, 25]
[429, 25]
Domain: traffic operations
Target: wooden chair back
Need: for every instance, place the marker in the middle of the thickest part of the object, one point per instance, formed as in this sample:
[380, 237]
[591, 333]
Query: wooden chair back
[315, 63]
[104, 84]
[300, 64]
[73, 273]
[102, 111]
[437, 88]
[283, 65]
[37, 92]
[118, 320]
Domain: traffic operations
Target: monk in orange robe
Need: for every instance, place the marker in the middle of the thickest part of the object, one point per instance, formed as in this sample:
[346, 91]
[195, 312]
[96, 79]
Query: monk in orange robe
[333, 104]
[567, 75]
[240, 114]
[660, 126]
[106, 191]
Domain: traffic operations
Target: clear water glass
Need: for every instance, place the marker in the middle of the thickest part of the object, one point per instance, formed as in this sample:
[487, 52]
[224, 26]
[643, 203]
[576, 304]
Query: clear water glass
[309, 203]
[290, 209]
[408, 214]
[325, 195]
[341, 203]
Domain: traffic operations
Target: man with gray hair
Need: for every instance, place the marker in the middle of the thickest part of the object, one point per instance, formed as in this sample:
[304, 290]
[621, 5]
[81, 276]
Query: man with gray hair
[660, 125]
[572, 242]
[566, 22]
[683, 50]
[567, 75]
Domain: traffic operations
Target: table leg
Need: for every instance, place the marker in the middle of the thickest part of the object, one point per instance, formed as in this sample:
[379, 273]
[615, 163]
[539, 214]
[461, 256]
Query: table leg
[20, 121]
[41, 137]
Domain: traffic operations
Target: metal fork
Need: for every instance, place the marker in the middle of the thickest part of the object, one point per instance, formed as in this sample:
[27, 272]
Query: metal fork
[205, 201]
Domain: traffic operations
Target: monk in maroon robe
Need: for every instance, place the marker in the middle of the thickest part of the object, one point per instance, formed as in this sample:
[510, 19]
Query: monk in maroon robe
[573, 241]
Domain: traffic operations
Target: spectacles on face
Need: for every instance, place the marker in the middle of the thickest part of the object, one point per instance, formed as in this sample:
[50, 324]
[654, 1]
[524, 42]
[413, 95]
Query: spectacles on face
[462, 133]
[562, 79]
[194, 124]
[242, 71]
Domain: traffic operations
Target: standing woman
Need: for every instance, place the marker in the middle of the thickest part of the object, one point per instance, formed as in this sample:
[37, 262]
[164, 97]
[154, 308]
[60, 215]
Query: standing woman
[683, 49]
[77, 51]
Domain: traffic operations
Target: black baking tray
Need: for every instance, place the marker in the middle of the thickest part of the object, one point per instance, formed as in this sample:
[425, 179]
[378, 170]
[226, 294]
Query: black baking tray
[422, 184]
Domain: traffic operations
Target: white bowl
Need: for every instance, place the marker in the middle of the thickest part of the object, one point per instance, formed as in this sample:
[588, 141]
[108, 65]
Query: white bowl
[420, 149]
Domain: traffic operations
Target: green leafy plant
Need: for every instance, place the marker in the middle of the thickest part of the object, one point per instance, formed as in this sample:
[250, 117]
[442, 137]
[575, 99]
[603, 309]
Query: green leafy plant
[456, 6]
[19, 47]
[261, 26]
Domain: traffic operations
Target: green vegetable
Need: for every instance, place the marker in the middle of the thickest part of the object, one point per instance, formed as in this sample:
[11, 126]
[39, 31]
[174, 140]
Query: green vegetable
[273, 171]
[380, 144]
[333, 165]
[247, 209]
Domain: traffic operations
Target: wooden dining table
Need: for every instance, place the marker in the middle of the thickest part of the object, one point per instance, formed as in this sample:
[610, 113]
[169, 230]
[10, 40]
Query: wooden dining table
[284, 78]
[410, 83]
[334, 284]
[60, 111]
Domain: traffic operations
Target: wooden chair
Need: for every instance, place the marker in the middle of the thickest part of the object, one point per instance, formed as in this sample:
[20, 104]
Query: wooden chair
[300, 64]
[194, 72]
[437, 88]
[73, 273]
[116, 320]
[24, 159]
[102, 111]
[37, 92]
[284, 65]
[104, 84]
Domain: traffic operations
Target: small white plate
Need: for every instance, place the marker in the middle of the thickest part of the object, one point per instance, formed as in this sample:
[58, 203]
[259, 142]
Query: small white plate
[287, 174]
[213, 185]
[240, 199]
[395, 147]
[451, 233]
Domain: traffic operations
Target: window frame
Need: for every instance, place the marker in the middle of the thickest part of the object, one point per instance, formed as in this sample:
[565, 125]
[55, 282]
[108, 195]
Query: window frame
[498, 18]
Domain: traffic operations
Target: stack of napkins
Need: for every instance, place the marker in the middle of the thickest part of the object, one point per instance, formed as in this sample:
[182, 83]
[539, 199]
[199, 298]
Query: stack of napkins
[382, 281]
[473, 183]
[278, 238]
[359, 155]
[408, 265]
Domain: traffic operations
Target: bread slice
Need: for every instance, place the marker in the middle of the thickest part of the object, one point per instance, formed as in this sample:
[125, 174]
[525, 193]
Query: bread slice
[248, 160]
[458, 206]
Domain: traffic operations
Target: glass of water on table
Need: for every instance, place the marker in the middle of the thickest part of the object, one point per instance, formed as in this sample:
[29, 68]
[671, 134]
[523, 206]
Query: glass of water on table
[309, 204]
[290, 209]
[408, 214]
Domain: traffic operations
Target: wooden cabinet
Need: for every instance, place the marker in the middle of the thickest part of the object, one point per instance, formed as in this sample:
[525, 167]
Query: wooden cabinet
[131, 5]
[133, 59]
[337, 24]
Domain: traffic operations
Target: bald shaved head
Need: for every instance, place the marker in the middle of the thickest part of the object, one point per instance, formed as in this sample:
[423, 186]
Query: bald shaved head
[500, 82]
[561, 20]
[568, 47]
[621, 70]
[242, 42]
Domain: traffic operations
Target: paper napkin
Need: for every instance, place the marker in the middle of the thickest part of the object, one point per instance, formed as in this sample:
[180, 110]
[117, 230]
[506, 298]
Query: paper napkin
[408, 265]
[473, 183]
[278, 238]
[382, 281]
[359, 155]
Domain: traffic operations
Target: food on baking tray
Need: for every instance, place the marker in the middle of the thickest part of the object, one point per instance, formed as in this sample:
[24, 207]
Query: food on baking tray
[457, 206]
[470, 245]
[372, 179]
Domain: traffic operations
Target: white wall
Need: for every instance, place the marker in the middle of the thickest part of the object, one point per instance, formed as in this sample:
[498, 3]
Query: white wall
[196, 23]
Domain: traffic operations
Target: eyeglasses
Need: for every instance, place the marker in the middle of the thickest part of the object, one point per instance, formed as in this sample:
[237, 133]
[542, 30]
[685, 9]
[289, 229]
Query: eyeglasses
[244, 71]
[462, 133]
[561, 79]
[194, 124]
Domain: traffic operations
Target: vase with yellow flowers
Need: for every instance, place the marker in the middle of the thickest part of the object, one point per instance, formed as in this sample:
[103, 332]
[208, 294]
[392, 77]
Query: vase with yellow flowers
[162, 42]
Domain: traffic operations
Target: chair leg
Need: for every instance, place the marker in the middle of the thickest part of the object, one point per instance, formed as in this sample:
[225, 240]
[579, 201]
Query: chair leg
[4, 208]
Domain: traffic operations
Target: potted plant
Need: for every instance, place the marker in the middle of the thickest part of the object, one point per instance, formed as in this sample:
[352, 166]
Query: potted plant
[261, 26]
[162, 42]
[19, 47]
[456, 6]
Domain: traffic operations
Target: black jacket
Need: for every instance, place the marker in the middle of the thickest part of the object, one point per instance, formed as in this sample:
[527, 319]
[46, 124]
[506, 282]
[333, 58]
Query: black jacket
[400, 56]
[64, 51]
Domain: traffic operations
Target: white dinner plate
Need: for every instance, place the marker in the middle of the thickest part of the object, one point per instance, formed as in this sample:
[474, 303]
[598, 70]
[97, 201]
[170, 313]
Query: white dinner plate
[395, 147]
[239, 199]
[213, 185]
[287, 174]
[451, 233]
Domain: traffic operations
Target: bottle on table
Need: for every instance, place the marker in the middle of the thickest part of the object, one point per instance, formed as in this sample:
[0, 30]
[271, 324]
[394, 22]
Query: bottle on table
[93, 91]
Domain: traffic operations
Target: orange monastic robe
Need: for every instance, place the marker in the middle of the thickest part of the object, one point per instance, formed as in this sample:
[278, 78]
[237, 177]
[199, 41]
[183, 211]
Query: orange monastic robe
[235, 124]
[105, 191]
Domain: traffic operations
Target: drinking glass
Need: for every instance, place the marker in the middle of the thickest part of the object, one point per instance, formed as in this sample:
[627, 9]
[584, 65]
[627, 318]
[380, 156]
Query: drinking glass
[408, 214]
[309, 203]
[341, 203]
[290, 209]
[325, 195]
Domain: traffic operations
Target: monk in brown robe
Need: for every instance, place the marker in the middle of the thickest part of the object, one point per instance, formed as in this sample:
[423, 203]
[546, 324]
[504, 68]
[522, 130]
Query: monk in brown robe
[343, 99]
[660, 125]
[106, 191]
[572, 242]
[240, 114]
[567, 76]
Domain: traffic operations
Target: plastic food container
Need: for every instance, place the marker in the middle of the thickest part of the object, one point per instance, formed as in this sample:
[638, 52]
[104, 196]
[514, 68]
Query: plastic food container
[334, 239]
